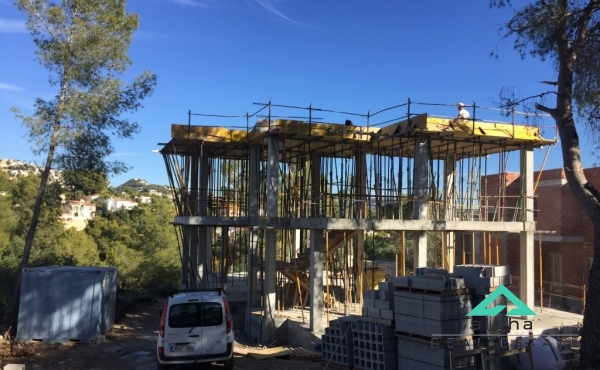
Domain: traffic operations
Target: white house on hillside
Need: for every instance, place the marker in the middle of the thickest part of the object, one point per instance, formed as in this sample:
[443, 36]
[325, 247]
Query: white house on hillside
[75, 213]
[115, 203]
[143, 199]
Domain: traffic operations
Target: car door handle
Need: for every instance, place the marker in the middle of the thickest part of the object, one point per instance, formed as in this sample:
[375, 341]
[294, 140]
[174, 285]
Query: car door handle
[194, 335]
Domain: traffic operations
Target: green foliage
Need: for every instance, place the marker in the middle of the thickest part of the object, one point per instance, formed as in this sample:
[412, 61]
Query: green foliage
[141, 243]
[84, 45]
[383, 246]
[84, 182]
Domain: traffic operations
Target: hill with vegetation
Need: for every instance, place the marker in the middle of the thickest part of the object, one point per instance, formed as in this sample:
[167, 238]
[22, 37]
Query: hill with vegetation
[140, 242]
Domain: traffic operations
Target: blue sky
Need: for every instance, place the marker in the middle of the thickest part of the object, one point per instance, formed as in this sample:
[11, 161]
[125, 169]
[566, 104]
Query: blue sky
[221, 56]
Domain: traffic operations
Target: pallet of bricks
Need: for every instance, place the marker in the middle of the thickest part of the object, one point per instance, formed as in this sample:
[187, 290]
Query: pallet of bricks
[430, 308]
[491, 331]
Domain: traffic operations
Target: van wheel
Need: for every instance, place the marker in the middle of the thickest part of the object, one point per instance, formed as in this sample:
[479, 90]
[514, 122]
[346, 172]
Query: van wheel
[160, 366]
[229, 364]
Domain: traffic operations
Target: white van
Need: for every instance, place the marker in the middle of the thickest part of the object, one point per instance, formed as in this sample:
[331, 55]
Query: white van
[195, 327]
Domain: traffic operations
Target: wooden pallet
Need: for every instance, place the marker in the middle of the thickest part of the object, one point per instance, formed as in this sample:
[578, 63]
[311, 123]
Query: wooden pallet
[434, 292]
[373, 320]
[300, 353]
[413, 337]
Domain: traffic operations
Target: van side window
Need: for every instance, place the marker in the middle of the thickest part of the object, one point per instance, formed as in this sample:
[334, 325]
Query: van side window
[212, 314]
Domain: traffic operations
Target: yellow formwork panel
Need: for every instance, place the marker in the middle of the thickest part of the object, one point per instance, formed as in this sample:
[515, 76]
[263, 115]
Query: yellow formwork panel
[467, 129]
[331, 132]
[328, 131]
[208, 133]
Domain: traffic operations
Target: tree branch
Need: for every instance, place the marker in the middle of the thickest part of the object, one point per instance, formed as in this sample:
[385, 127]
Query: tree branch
[545, 109]
[582, 26]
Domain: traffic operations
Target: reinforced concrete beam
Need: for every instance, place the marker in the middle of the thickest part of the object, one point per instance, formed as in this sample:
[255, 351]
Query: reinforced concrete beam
[323, 223]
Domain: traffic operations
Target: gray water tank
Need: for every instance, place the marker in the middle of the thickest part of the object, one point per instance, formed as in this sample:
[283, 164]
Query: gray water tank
[61, 304]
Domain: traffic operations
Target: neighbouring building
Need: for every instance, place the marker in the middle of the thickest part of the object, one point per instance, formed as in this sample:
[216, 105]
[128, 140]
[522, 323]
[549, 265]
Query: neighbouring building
[76, 213]
[564, 233]
[115, 204]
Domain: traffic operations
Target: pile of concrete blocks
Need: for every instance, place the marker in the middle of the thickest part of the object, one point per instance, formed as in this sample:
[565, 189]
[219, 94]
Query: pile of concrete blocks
[375, 347]
[431, 304]
[337, 342]
[483, 279]
[429, 307]
[379, 304]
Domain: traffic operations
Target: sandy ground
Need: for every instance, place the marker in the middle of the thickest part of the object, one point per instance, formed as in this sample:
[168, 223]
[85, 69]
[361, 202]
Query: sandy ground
[130, 345]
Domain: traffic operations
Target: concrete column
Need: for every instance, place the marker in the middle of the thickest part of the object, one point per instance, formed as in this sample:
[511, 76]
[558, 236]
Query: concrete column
[224, 255]
[449, 208]
[527, 255]
[252, 293]
[421, 197]
[360, 209]
[203, 236]
[269, 285]
[316, 254]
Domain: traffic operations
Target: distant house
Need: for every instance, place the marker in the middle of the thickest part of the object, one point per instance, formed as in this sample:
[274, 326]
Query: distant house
[75, 213]
[144, 199]
[115, 204]
[92, 197]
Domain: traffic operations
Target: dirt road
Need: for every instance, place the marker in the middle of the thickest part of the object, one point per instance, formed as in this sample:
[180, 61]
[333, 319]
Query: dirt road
[130, 345]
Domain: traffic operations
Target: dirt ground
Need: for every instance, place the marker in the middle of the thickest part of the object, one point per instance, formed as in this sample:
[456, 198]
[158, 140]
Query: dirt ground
[130, 345]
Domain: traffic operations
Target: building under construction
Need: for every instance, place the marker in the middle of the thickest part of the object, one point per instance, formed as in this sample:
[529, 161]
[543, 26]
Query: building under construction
[292, 201]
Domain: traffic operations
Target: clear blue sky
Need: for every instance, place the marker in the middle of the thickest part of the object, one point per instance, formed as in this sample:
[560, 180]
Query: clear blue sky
[220, 56]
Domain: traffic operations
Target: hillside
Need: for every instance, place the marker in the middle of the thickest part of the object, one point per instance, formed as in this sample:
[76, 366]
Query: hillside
[142, 186]
[15, 168]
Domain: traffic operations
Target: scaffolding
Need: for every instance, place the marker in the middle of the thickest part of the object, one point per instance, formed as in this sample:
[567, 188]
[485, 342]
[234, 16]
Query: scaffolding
[292, 197]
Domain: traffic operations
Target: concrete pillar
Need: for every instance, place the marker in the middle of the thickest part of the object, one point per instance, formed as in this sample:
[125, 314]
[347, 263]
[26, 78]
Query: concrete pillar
[224, 255]
[360, 209]
[527, 255]
[203, 238]
[269, 285]
[421, 197]
[449, 208]
[316, 253]
[252, 293]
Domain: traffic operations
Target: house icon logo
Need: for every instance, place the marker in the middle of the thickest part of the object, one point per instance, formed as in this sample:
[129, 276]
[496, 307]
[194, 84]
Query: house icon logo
[482, 309]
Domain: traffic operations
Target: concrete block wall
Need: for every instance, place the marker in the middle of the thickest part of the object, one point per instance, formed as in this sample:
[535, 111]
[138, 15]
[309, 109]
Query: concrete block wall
[337, 342]
[375, 347]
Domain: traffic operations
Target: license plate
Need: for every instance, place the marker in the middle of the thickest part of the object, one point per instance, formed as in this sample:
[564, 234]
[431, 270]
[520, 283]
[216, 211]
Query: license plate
[185, 348]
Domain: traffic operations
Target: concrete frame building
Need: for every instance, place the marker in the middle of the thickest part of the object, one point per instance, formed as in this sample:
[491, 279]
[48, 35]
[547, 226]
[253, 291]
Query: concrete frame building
[304, 191]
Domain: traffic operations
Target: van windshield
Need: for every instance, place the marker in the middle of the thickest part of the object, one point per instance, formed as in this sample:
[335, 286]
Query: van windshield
[195, 314]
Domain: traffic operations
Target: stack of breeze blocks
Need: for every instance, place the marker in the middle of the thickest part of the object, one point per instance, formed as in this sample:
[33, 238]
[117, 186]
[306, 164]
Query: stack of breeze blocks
[428, 308]
[432, 307]
[337, 342]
